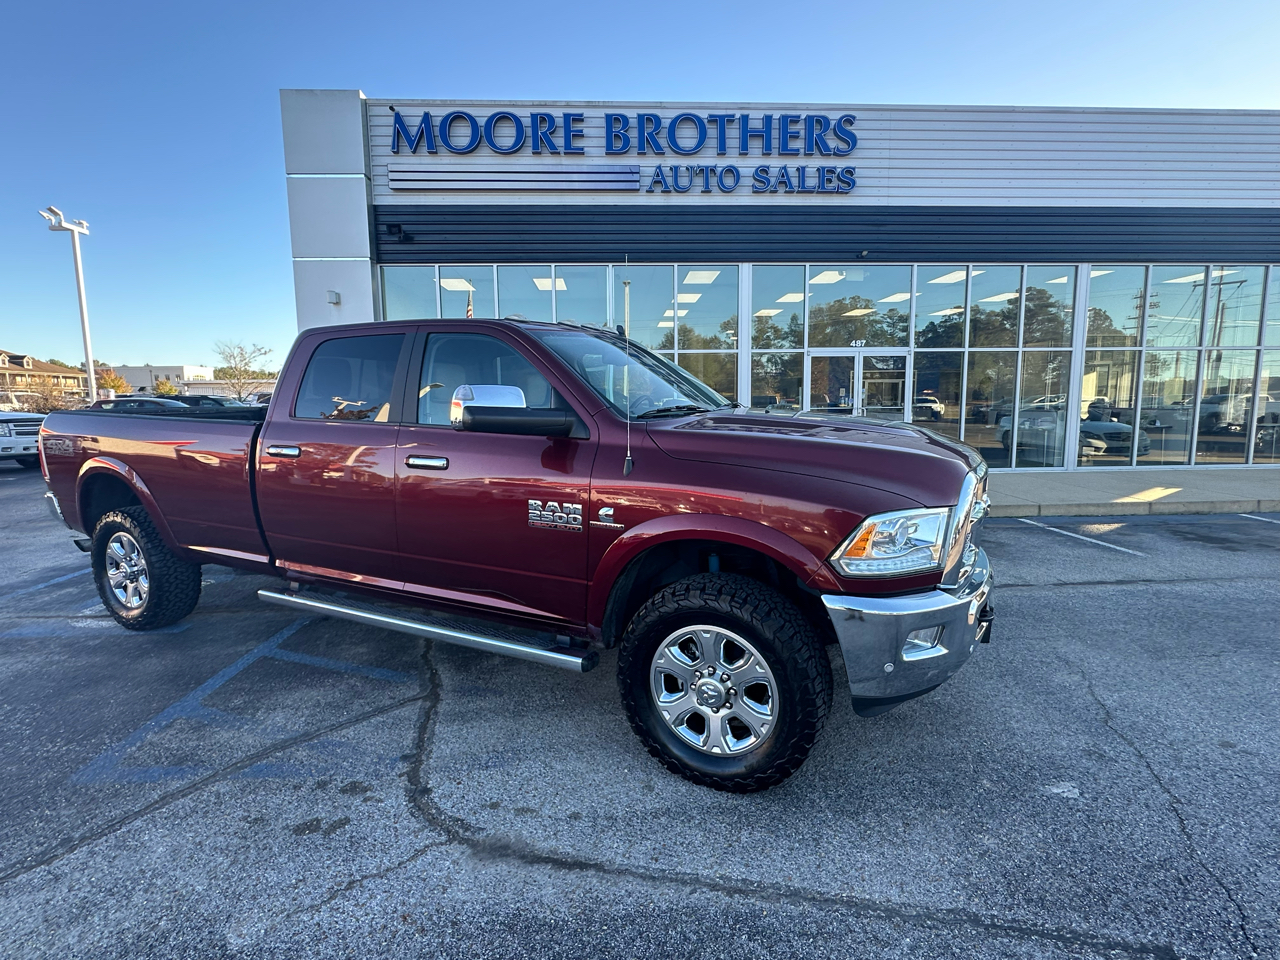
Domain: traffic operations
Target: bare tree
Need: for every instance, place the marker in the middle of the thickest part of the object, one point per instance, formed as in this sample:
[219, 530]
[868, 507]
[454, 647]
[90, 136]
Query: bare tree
[239, 367]
[44, 395]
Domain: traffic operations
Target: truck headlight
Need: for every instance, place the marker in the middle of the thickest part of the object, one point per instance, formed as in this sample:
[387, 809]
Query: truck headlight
[908, 541]
[5, 430]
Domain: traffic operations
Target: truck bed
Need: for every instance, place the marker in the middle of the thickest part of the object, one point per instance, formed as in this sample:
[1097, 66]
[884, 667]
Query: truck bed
[196, 466]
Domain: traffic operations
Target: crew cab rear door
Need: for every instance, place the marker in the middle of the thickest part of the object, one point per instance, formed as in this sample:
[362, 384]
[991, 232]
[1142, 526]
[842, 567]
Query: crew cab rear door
[326, 457]
[477, 512]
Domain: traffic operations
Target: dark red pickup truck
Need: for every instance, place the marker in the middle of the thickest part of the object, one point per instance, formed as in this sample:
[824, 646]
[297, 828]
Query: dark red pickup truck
[544, 490]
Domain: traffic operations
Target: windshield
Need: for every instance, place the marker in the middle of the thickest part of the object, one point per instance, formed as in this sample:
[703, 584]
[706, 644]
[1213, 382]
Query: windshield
[655, 386]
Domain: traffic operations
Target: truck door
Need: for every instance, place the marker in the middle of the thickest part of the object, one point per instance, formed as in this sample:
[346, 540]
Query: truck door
[326, 460]
[477, 512]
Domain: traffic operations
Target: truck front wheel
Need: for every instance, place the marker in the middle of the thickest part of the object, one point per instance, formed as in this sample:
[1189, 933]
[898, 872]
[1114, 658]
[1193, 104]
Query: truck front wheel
[724, 681]
[142, 583]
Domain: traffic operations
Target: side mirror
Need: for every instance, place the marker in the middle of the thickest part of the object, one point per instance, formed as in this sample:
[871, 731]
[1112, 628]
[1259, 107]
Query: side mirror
[483, 395]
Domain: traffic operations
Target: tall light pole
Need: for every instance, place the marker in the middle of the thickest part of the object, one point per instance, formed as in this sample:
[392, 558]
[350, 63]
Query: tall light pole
[75, 228]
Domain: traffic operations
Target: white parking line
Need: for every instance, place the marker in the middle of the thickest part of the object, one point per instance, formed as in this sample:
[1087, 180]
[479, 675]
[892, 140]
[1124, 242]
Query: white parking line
[1252, 517]
[1068, 533]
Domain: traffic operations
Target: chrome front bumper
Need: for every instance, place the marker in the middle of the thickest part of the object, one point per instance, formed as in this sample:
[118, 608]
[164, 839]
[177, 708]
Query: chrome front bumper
[873, 631]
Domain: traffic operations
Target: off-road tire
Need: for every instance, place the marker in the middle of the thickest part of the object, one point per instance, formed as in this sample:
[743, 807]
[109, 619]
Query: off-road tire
[791, 647]
[29, 463]
[174, 583]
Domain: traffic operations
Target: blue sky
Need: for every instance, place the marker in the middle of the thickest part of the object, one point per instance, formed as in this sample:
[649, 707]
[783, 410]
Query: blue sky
[159, 123]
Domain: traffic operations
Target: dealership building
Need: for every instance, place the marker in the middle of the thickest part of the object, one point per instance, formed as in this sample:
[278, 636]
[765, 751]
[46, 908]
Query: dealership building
[1062, 288]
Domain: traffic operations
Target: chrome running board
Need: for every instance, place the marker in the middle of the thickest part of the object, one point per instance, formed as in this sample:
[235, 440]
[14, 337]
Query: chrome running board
[429, 628]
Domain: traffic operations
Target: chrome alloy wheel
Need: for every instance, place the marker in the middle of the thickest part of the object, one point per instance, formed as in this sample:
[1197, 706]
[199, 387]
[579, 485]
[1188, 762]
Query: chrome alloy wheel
[714, 690]
[127, 571]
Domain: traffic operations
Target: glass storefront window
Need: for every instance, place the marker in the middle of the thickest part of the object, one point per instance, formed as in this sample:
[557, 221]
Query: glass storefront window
[776, 380]
[1266, 437]
[1235, 306]
[1175, 306]
[409, 293]
[988, 402]
[459, 283]
[1115, 305]
[1042, 408]
[1168, 401]
[859, 306]
[940, 306]
[652, 298]
[582, 295]
[719, 371]
[831, 385]
[777, 308]
[935, 380]
[1226, 400]
[1108, 397]
[995, 296]
[707, 308]
[1051, 302]
[526, 291]
[1271, 336]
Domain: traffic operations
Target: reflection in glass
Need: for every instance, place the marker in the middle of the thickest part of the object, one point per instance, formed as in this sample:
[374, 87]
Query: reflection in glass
[935, 401]
[940, 307]
[994, 299]
[884, 387]
[1235, 306]
[409, 293]
[1051, 298]
[1108, 395]
[1115, 305]
[776, 380]
[1168, 400]
[831, 384]
[1226, 400]
[849, 304]
[1042, 409]
[719, 371]
[582, 295]
[1175, 306]
[457, 284]
[526, 291]
[707, 308]
[777, 307]
[652, 295]
[1271, 337]
[992, 379]
[1266, 437]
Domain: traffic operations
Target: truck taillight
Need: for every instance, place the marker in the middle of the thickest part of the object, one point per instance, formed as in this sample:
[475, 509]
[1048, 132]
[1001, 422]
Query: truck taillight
[44, 465]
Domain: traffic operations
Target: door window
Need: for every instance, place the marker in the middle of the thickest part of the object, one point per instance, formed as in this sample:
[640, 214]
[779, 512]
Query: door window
[350, 378]
[453, 359]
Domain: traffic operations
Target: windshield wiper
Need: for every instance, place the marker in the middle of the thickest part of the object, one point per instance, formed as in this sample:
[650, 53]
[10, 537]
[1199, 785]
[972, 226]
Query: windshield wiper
[679, 409]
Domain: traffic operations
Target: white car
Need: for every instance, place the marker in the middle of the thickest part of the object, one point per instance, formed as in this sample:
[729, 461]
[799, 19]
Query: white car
[930, 407]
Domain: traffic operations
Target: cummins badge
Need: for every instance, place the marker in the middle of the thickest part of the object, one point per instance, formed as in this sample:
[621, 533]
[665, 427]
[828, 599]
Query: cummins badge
[555, 516]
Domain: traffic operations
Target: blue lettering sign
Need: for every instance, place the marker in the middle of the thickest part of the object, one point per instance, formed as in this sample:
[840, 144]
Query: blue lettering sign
[843, 131]
[764, 132]
[616, 138]
[816, 127]
[648, 125]
[424, 132]
[721, 122]
[673, 129]
[543, 126]
[572, 133]
[517, 141]
[760, 180]
[845, 179]
[784, 176]
[723, 173]
[675, 179]
[786, 135]
[659, 178]
[707, 172]
[473, 131]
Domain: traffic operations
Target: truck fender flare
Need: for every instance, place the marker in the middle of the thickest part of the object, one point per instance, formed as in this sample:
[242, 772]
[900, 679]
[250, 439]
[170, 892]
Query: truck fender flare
[810, 568]
[117, 468]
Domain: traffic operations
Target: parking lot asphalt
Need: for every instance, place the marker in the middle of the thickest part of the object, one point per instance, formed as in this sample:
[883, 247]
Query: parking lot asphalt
[1102, 780]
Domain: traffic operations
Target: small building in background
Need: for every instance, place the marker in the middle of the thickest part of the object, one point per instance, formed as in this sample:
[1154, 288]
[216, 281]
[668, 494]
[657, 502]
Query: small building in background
[21, 372]
[145, 378]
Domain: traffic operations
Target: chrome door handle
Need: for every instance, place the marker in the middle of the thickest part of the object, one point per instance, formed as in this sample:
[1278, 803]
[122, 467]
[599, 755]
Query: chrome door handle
[279, 450]
[427, 463]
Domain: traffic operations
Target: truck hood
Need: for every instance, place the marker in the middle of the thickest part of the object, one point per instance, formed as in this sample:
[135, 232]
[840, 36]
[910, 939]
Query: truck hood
[910, 461]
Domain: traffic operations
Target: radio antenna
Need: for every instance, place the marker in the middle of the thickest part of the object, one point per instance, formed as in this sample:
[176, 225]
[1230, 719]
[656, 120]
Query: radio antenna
[629, 464]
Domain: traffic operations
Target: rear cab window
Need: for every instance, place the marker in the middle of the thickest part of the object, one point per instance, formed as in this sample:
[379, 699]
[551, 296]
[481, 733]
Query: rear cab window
[350, 379]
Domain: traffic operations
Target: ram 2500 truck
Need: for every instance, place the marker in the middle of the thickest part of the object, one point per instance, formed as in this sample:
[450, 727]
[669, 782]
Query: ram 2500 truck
[547, 490]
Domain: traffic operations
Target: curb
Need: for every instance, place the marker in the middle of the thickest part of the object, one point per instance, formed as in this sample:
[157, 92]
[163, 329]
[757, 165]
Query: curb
[1113, 509]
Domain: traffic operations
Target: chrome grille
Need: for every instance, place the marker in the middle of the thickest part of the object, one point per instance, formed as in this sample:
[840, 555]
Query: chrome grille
[26, 429]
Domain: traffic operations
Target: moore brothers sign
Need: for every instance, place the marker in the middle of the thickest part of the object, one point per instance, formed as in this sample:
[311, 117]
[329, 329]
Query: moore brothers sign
[556, 138]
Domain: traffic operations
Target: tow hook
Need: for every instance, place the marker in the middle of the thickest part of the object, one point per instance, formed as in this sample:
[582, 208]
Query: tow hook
[986, 616]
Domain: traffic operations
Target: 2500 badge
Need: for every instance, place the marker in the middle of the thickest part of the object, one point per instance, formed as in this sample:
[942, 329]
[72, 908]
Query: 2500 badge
[555, 516]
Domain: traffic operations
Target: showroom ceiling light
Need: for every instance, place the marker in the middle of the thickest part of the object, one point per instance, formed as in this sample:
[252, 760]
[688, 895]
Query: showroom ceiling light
[955, 276]
[828, 276]
[948, 312]
[701, 276]
[680, 313]
[544, 284]
[1099, 273]
[1057, 280]
[860, 312]
[688, 297]
[767, 313]
[897, 297]
[456, 284]
[999, 297]
[790, 298]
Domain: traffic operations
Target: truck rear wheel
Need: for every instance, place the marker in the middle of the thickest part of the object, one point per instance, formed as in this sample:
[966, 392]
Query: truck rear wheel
[142, 583]
[724, 681]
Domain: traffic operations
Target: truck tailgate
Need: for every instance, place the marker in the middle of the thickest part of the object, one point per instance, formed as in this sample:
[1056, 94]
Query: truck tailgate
[197, 471]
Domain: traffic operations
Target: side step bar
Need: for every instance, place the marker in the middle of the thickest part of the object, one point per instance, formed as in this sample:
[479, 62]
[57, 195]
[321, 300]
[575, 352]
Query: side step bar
[567, 658]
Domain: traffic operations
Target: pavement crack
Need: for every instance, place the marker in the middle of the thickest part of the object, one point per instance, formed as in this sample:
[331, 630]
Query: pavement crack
[459, 832]
[364, 878]
[1175, 805]
[69, 845]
